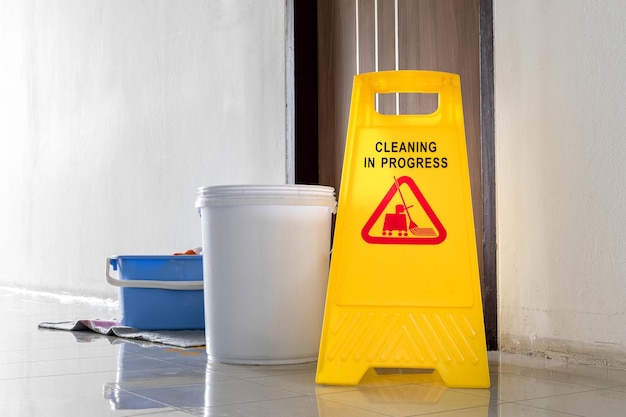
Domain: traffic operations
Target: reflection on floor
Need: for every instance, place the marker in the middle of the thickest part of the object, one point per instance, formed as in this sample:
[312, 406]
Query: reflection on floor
[57, 373]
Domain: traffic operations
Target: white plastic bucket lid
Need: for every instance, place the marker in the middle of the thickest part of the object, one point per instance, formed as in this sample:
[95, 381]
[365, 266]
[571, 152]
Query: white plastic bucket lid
[289, 194]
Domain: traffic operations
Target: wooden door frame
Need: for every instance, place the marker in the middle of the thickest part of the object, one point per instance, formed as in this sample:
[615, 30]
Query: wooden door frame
[306, 136]
[489, 280]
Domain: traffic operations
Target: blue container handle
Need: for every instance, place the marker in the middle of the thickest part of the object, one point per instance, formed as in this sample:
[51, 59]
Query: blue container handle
[163, 285]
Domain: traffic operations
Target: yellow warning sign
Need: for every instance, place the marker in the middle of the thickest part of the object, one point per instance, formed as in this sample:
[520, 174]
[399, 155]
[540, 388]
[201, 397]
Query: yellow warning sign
[404, 288]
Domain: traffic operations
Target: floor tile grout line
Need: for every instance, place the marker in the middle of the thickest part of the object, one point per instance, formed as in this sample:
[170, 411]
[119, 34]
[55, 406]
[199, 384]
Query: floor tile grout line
[565, 394]
[267, 400]
[560, 381]
[518, 403]
[153, 400]
[435, 413]
[343, 404]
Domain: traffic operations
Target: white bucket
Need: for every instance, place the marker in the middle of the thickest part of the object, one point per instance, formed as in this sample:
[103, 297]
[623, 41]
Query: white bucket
[266, 251]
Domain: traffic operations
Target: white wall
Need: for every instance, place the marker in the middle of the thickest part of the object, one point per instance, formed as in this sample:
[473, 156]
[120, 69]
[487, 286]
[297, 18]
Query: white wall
[113, 113]
[560, 86]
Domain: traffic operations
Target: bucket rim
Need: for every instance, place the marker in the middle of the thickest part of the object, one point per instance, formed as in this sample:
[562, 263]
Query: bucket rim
[297, 194]
[265, 189]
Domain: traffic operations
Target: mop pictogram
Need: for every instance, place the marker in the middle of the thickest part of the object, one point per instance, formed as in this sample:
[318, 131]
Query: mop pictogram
[398, 226]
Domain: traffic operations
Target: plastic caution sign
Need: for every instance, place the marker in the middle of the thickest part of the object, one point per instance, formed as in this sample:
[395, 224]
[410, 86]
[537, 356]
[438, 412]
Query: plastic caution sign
[404, 288]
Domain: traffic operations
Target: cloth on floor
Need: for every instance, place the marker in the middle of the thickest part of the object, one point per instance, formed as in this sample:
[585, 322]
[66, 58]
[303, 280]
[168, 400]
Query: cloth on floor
[178, 338]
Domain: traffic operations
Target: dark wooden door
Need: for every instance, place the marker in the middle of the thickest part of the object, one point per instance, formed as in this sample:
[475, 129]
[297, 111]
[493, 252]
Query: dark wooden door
[356, 36]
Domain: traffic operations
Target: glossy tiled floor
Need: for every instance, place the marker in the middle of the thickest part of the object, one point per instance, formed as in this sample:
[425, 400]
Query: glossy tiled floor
[57, 373]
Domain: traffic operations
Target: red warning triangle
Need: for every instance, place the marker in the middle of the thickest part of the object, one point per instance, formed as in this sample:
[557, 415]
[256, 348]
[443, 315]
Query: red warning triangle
[398, 227]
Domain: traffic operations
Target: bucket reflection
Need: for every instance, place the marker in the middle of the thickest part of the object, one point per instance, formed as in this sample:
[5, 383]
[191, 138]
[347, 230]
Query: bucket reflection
[147, 375]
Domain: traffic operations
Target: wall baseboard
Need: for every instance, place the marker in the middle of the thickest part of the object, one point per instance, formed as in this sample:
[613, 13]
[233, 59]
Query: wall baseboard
[594, 354]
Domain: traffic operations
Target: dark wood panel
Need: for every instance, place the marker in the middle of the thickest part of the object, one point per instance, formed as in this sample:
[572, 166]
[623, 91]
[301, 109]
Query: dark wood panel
[489, 276]
[336, 69]
[387, 50]
[367, 38]
[440, 35]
